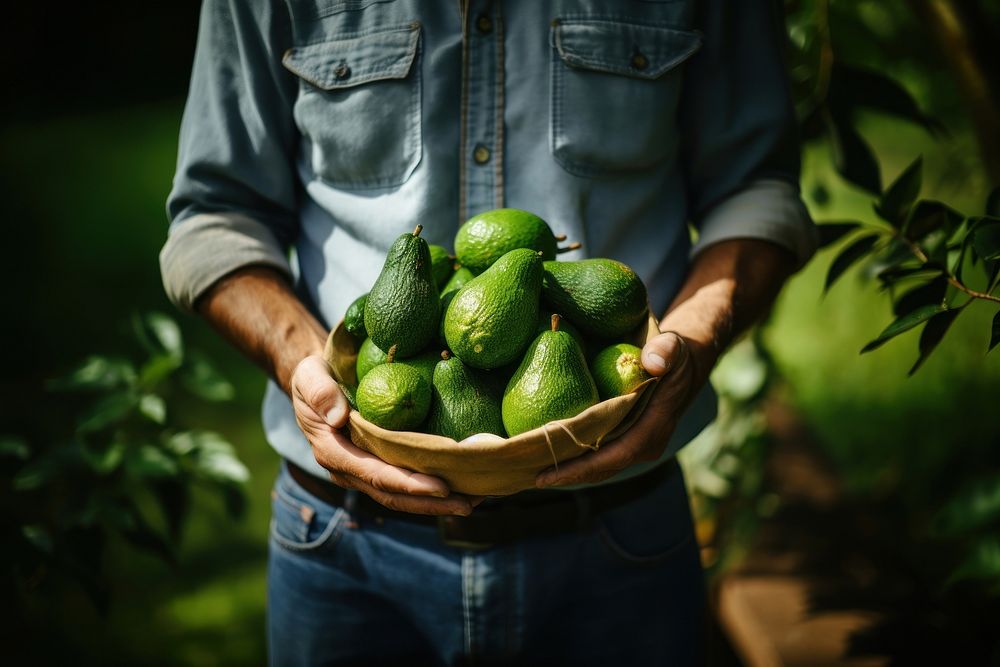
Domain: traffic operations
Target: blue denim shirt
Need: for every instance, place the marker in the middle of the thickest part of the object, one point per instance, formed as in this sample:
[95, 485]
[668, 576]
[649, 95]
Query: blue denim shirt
[323, 129]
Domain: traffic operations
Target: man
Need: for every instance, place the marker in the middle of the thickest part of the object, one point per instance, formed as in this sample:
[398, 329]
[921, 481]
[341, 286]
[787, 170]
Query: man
[332, 126]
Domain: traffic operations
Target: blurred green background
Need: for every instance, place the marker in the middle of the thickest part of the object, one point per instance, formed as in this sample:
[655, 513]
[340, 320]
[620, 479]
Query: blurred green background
[85, 173]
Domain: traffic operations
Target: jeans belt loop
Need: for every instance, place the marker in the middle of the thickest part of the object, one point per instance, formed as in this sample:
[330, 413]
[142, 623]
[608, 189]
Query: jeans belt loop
[445, 523]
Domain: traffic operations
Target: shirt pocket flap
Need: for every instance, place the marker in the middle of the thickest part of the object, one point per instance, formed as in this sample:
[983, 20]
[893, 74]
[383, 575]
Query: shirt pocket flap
[639, 51]
[344, 63]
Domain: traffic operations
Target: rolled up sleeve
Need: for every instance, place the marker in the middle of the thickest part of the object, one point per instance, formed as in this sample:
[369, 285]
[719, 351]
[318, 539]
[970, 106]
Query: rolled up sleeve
[234, 196]
[740, 145]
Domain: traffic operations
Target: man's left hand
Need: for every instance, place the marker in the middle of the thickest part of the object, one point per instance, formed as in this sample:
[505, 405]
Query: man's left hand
[670, 357]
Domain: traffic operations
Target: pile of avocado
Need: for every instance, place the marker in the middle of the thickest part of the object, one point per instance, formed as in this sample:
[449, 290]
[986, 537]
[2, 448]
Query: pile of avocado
[496, 338]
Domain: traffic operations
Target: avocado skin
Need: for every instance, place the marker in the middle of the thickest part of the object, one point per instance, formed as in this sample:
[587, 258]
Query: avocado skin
[354, 318]
[488, 236]
[369, 356]
[617, 370]
[394, 396]
[551, 383]
[442, 264]
[545, 324]
[492, 318]
[603, 297]
[350, 393]
[457, 280]
[464, 401]
[403, 305]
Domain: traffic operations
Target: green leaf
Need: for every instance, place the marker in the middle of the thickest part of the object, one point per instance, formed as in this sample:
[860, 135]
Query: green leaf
[995, 333]
[157, 369]
[34, 475]
[930, 293]
[14, 447]
[202, 379]
[894, 274]
[902, 324]
[987, 241]
[930, 216]
[134, 527]
[849, 256]
[96, 373]
[183, 443]
[981, 562]
[933, 332]
[216, 460]
[159, 334]
[831, 232]
[860, 87]
[153, 407]
[150, 461]
[975, 506]
[852, 157]
[106, 460]
[896, 201]
[107, 411]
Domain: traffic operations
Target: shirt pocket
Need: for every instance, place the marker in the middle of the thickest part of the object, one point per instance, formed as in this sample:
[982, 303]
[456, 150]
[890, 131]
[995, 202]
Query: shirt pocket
[615, 87]
[359, 106]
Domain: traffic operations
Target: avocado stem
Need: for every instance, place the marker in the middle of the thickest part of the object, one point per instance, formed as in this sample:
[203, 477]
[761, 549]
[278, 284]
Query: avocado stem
[555, 322]
[445, 355]
[560, 237]
[390, 356]
[575, 245]
[417, 230]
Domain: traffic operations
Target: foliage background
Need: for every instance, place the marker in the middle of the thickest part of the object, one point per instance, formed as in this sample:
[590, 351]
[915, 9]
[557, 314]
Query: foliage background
[87, 150]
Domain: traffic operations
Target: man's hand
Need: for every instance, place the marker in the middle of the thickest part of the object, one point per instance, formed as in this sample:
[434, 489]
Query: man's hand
[668, 356]
[257, 311]
[730, 286]
[321, 410]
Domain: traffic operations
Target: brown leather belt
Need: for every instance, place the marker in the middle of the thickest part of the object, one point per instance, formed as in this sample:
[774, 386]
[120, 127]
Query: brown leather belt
[524, 515]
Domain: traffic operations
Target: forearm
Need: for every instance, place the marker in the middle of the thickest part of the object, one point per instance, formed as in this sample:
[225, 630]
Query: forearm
[730, 286]
[256, 310]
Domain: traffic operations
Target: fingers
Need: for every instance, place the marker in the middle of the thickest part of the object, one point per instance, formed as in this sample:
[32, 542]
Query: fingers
[315, 386]
[456, 504]
[664, 353]
[594, 467]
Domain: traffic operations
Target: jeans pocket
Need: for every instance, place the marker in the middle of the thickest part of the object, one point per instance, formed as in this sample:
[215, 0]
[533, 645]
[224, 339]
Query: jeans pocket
[358, 106]
[615, 89]
[652, 529]
[299, 523]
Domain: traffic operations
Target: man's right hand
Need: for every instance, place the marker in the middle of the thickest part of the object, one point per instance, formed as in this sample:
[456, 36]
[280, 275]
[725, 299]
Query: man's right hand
[321, 410]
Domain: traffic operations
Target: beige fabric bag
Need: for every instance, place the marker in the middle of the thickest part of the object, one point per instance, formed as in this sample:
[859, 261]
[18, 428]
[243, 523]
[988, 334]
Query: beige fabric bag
[490, 466]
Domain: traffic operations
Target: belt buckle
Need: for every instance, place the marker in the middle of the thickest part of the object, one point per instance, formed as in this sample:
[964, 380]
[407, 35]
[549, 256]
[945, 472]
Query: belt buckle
[446, 524]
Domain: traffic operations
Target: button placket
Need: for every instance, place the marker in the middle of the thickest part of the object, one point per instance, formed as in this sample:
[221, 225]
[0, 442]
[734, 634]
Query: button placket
[483, 108]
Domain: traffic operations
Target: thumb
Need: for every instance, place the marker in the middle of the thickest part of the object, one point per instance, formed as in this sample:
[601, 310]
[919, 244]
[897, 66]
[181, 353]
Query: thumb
[316, 387]
[664, 353]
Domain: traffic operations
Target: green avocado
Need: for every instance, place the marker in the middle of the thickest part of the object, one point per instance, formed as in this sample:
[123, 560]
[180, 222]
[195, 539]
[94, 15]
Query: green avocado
[457, 281]
[488, 236]
[490, 321]
[464, 401]
[403, 306]
[604, 298]
[545, 324]
[394, 396]
[442, 264]
[551, 383]
[369, 356]
[354, 318]
[618, 370]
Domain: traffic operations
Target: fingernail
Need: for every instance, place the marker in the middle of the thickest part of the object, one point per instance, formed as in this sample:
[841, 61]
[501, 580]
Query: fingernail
[465, 511]
[655, 363]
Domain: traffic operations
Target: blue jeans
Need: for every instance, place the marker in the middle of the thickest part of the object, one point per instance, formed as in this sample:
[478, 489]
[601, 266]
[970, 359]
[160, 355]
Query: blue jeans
[346, 590]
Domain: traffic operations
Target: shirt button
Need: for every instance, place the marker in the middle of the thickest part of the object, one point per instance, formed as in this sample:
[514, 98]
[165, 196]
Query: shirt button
[484, 24]
[342, 71]
[481, 154]
[640, 61]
